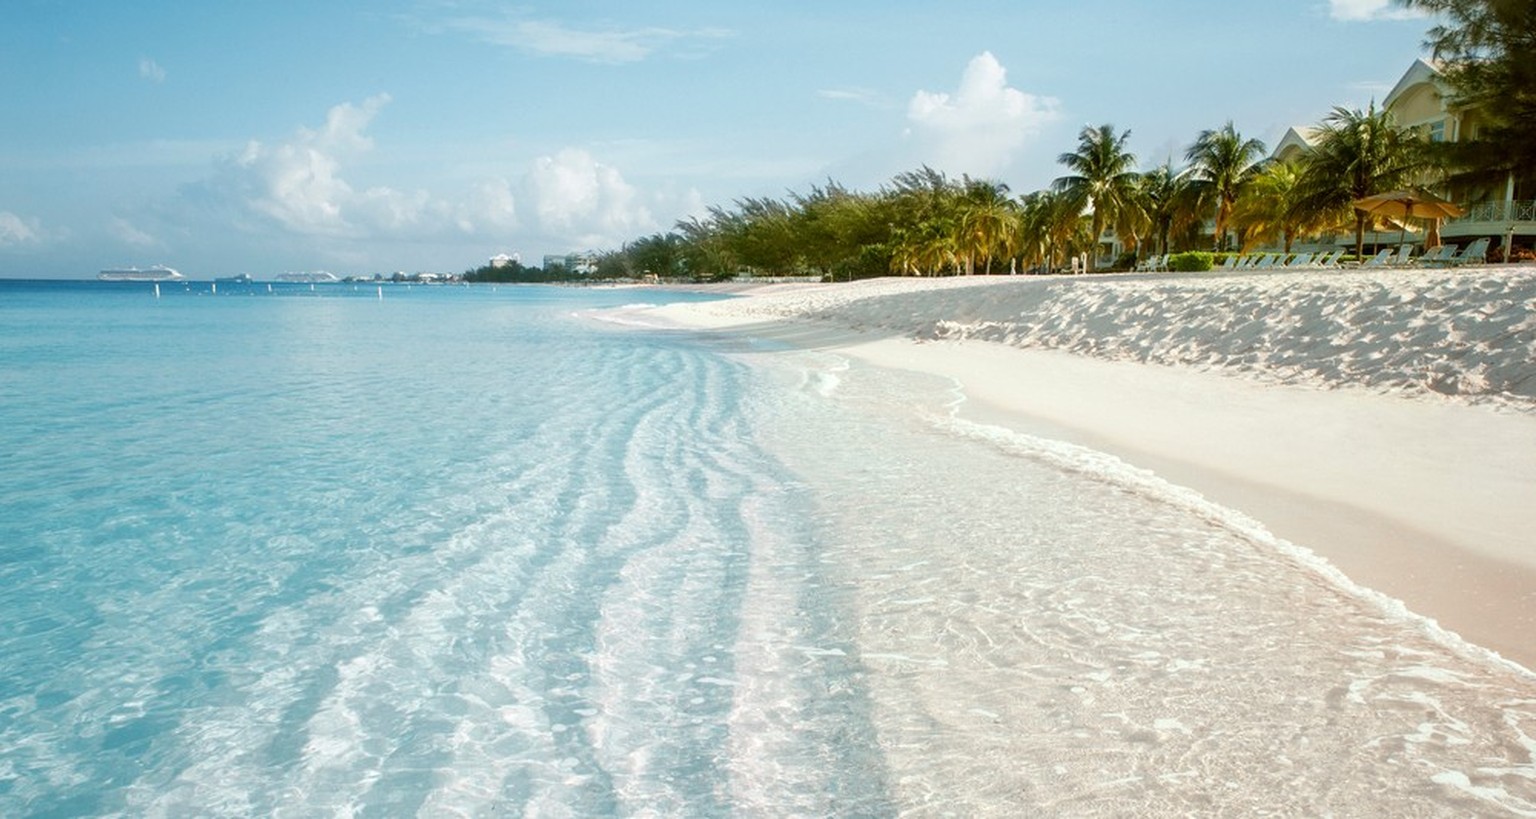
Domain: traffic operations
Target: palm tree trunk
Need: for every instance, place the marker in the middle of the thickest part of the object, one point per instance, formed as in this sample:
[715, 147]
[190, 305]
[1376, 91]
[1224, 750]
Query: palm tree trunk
[1359, 234]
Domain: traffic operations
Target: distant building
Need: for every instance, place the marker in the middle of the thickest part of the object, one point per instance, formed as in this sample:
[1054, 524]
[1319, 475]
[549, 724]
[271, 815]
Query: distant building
[581, 264]
[503, 260]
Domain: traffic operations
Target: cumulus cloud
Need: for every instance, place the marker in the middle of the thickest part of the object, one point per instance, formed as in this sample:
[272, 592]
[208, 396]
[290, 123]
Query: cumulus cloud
[611, 45]
[298, 184]
[585, 201]
[14, 230]
[979, 127]
[307, 186]
[1356, 10]
[151, 70]
[490, 205]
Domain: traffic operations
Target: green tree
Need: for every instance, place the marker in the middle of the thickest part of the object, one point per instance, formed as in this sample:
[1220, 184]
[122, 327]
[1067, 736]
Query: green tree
[705, 252]
[1170, 202]
[1052, 228]
[1103, 178]
[658, 255]
[988, 222]
[1221, 164]
[1485, 49]
[1267, 211]
[1358, 153]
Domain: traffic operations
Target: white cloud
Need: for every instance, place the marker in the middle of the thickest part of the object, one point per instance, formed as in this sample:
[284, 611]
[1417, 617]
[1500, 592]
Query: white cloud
[490, 206]
[980, 127]
[298, 184]
[305, 186]
[862, 96]
[581, 200]
[151, 70]
[612, 45]
[128, 234]
[1355, 10]
[14, 230]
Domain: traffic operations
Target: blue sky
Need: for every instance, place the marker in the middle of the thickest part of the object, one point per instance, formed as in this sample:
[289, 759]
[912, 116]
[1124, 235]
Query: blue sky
[432, 134]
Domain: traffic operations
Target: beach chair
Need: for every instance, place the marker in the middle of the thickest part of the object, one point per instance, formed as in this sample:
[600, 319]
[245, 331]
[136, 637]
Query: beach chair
[1230, 263]
[1381, 259]
[1402, 258]
[1437, 256]
[1329, 261]
[1299, 261]
[1476, 253]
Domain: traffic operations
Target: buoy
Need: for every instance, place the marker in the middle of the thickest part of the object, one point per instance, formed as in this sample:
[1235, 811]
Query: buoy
[215, 289]
[381, 292]
[157, 290]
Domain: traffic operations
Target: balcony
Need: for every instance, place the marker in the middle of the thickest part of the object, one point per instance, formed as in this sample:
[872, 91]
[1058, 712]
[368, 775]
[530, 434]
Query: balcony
[1493, 219]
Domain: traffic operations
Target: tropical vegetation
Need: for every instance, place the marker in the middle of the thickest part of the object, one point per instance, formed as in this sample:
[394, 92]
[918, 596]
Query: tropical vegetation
[1228, 196]
[1484, 49]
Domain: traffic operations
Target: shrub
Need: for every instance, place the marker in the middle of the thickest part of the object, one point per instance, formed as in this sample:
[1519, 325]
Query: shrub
[1190, 262]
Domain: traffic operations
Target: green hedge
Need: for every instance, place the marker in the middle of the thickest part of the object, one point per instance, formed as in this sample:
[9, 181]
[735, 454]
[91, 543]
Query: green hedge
[1191, 262]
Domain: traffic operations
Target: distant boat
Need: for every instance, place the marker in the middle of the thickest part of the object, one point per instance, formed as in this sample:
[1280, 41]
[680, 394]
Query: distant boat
[314, 277]
[240, 278]
[154, 273]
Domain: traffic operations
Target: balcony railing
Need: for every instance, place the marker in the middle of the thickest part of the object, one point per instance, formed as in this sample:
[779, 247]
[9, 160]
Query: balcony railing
[1518, 211]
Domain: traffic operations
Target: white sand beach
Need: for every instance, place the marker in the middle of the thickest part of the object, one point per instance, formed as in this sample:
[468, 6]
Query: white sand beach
[1385, 421]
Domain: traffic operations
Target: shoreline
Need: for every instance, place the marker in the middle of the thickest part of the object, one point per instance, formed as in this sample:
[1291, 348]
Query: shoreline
[1424, 499]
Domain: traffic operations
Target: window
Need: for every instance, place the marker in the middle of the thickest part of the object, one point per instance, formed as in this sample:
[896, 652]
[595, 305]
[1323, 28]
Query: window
[1437, 131]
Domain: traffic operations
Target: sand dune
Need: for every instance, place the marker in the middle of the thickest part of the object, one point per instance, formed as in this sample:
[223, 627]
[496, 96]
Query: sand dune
[1384, 420]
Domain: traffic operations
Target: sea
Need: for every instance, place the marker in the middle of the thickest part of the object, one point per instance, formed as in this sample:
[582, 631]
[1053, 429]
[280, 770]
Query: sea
[522, 551]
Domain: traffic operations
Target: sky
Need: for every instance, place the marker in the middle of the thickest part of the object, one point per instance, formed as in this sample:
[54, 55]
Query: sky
[430, 135]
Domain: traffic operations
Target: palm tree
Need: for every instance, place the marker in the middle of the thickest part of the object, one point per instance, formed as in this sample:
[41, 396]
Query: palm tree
[1170, 201]
[1051, 229]
[906, 257]
[1222, 163]
[1358, 153]
[1103, 177]
[1267, 209]
[988, 222]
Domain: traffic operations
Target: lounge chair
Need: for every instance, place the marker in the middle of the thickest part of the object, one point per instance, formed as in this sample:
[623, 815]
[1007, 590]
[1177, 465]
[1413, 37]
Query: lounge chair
[1437, 256]
[1476, 253]
[1403, 258]
[1328, 261]
[1381, 259]
[1299, 261]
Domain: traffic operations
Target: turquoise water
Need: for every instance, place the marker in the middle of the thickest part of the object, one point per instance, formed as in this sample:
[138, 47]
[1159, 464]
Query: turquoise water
[455, 549]
[449, 551]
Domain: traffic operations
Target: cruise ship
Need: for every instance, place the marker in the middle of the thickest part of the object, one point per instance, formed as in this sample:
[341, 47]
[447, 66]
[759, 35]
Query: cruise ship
[154, 273]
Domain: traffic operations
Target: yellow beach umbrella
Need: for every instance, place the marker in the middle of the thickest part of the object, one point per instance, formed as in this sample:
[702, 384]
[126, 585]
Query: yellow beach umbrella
[1406, 204]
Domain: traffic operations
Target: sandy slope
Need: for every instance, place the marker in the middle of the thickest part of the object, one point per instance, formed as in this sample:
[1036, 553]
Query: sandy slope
[1386, 420]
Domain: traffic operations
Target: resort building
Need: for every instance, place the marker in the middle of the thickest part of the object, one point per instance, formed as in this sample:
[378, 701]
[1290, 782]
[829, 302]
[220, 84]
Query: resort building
[1423, 100]
[581, 264]
[503, 260]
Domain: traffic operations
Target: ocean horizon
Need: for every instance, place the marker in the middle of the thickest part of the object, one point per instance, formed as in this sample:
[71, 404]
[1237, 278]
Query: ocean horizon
[514, 550]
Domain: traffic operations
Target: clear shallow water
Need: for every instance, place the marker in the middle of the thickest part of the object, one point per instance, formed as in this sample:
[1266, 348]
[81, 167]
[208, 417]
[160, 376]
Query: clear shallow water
[461, 552]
